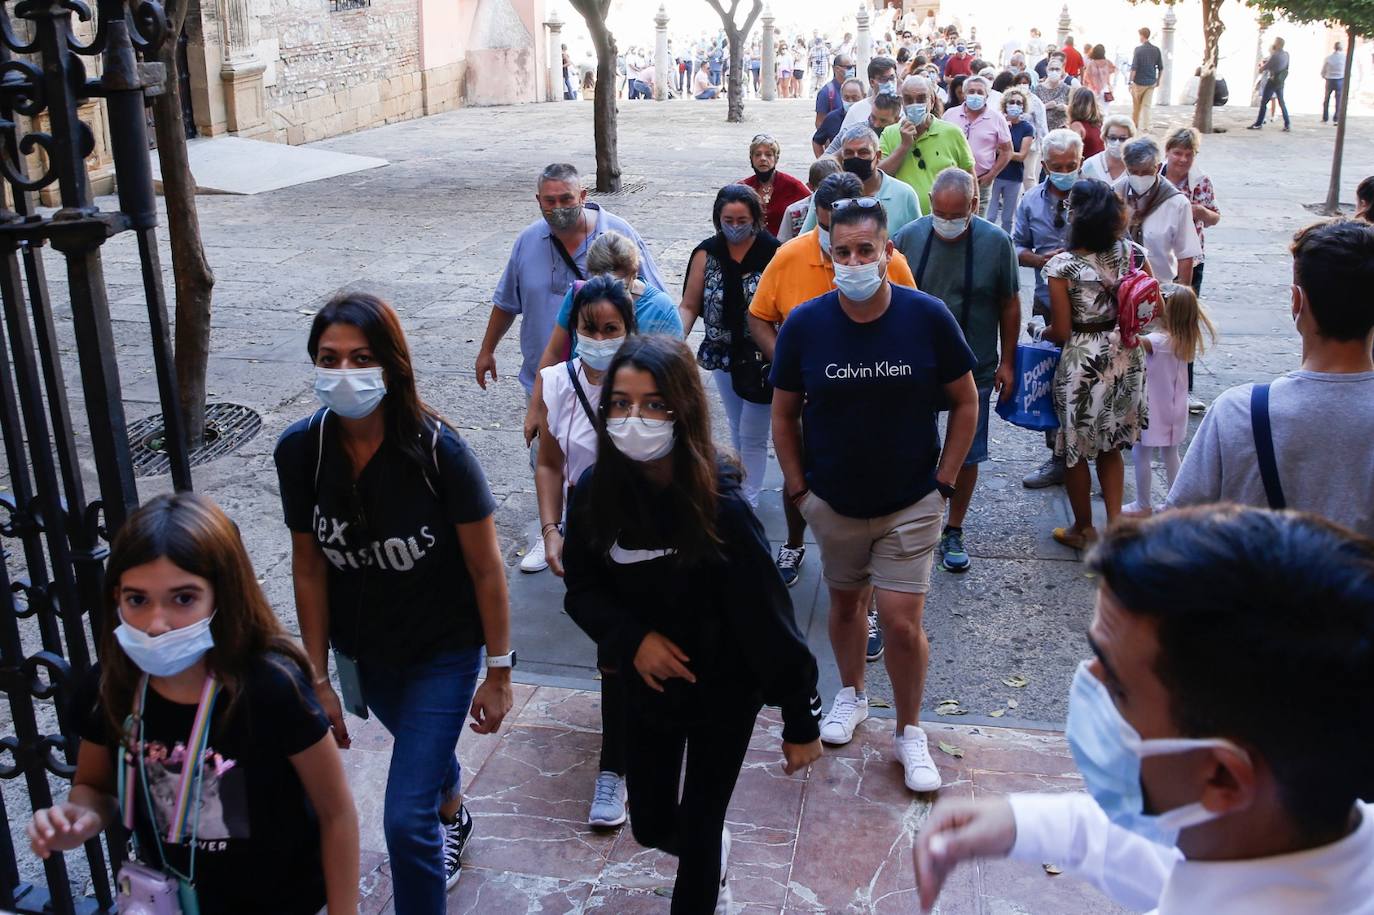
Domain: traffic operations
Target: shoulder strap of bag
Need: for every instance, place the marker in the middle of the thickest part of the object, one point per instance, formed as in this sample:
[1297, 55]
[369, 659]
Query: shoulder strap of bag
[1264, 445]
[567, 258]
[581, 394]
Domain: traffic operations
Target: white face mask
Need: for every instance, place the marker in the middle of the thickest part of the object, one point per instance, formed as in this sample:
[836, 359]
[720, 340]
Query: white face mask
[858, 283]
[823, 239]
[1141, 184]
[641, 439]
[353, 393]
[168, 654]
[1053, 76]
[597, 354]
[950, 228]
[1116, 148]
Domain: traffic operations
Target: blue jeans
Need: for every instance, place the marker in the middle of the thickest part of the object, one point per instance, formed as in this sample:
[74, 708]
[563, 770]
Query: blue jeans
[423, 707]
[1002, 208]
[1272, 91]
[748, 433]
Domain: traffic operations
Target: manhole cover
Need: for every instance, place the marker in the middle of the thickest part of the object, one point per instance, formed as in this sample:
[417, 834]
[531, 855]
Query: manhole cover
[628, 185]
[227, 426]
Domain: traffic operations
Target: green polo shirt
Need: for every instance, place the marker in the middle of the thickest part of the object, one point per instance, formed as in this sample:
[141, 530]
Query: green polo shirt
[941, 146]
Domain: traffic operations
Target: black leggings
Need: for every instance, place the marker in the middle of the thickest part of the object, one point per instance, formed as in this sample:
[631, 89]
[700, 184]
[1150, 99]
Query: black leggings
[689, 828]
[612, 723]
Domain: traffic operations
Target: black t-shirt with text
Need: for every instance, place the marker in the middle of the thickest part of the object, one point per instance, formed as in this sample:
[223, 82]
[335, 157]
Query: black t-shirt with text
[389, 538]
[257, 837]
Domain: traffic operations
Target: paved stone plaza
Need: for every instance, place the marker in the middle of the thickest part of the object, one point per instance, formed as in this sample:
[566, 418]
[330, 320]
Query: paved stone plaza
[431, 232]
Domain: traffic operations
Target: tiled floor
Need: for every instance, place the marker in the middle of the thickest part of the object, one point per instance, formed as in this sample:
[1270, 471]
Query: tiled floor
[835, 840]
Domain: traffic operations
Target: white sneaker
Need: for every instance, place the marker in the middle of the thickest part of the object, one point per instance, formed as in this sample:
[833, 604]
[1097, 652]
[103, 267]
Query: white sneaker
[724, 898]
[911, 751]
[534, 559]
[846, 713]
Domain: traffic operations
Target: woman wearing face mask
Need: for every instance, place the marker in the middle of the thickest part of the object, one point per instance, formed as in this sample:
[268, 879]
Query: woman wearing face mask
[671, 572]
[197, 681]
[1099, 386]
[722, 275]
[1086, 120]
[776, 190]
[396, 566]
[604, 317]
[1006, 190]
[655, 312]
[1161, 215]
[1054, 92]
[1110, 164]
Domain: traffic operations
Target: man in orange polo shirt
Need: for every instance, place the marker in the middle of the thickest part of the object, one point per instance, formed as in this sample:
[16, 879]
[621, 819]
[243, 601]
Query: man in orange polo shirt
[801, 270]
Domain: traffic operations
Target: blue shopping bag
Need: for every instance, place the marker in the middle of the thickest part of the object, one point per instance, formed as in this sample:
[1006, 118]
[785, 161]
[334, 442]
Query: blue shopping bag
[1031, 405]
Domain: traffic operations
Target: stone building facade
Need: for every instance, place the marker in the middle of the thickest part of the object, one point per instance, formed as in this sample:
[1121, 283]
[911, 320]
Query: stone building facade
[296, 71]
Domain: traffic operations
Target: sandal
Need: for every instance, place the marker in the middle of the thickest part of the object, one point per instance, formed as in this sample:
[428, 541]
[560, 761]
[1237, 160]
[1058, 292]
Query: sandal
[1077, 540]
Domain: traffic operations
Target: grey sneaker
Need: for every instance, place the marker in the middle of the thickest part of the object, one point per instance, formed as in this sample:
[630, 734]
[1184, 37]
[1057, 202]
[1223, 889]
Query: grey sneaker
[608, 801]
[1050, 473]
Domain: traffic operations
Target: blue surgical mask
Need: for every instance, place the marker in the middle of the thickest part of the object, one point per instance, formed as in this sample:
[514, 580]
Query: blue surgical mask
[737, 234]
[353, 393]
[168, 654]
[597, 354]
[846, 103]
[1063, 180]
[888, 88]
[858, 283]
[1014, 111]
[975, 102]
[916, 114]
[1108, 751]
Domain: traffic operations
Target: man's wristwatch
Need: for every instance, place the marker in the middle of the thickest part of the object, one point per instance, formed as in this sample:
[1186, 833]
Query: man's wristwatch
[946, 489]
[501, 661]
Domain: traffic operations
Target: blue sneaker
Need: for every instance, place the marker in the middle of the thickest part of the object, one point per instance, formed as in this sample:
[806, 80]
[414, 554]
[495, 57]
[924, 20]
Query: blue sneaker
[875, 637]
[953, 556]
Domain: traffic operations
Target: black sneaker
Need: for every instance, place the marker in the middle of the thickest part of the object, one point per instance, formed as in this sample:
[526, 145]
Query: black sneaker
[789, 563]
[875, 636]
[455, 839]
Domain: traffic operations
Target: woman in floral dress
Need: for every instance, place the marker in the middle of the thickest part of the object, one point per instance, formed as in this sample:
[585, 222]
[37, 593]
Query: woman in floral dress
[1099, 387]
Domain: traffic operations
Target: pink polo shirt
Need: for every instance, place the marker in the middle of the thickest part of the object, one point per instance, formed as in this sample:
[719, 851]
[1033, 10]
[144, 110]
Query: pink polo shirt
[984, 134]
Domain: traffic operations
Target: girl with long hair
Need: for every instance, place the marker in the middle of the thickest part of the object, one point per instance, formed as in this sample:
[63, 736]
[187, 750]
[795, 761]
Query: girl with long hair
[396, 566]
[670, 572]
[602, 317]
[199, 729]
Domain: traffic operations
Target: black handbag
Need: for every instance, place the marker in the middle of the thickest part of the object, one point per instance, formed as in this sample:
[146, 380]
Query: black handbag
[749, 370]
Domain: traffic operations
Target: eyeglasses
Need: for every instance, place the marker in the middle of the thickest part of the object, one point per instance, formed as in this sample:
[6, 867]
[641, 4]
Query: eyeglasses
[863, 203]
[762, 138]
[621, 409]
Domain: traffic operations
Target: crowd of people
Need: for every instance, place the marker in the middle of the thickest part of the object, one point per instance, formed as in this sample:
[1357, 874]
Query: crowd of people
[867, 323]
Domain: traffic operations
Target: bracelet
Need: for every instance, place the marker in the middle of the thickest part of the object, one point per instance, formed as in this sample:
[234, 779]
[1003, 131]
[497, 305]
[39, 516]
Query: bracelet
[323, 679]
[544, 531]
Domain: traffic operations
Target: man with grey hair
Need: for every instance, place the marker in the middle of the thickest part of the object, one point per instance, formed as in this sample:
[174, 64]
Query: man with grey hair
[922, 145]
[1161, 214]
[858, 154]
[1041, 231]
[944, 248]
[988, 135]
[548, 256]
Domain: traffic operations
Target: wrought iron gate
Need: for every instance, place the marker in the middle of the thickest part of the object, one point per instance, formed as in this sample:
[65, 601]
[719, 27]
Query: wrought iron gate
[55, 537]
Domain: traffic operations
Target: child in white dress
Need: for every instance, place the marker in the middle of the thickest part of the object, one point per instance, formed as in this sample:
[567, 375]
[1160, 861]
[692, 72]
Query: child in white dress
[1176, 342]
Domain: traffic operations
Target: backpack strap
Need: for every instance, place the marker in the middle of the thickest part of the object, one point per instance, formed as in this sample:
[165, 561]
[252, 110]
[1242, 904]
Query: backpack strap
[318, 418]
[1264, 445]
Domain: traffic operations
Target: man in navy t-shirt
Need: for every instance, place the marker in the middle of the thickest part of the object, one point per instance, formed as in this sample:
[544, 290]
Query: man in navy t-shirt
[871, 365]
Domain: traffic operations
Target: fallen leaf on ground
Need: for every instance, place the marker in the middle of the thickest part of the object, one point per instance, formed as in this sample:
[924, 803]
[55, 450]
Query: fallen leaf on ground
[998, 712]
[1012, 703]
[1052, 870]
[875, 702]
[1015, 681]
[951, 750]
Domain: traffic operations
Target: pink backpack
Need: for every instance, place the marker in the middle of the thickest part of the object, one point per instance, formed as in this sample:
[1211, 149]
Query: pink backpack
[1137, 300]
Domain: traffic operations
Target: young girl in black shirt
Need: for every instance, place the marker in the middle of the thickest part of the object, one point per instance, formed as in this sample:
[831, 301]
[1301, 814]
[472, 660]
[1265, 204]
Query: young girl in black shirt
[669, 570]
[199, 728]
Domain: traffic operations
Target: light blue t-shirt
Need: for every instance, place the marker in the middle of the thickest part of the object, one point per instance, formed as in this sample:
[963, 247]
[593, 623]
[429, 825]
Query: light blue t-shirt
[898, 199]
[536, 278]
[655, 313]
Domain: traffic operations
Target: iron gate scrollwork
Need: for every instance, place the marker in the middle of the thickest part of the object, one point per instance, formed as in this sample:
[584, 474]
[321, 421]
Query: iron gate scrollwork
[54, 538]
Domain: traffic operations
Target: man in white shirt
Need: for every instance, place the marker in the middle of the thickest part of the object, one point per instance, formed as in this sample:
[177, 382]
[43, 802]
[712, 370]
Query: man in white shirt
[1333, 71]
[1222, 729]
[882, 77]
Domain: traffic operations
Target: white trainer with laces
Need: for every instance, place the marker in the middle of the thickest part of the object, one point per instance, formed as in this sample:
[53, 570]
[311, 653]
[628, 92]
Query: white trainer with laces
[847, 712]
[534, 559]
[912, 752]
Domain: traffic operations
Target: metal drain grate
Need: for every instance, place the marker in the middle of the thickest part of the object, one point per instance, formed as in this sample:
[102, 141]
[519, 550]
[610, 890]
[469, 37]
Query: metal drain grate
[628, 185]
[227, 427]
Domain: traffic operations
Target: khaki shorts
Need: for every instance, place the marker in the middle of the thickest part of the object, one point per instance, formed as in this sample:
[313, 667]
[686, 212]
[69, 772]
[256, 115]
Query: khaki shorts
[894, 552]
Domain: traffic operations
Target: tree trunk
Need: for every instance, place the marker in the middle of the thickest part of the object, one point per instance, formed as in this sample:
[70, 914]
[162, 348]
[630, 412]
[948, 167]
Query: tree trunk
[603, 103]
[190, 270]
[1333, 190]
[1212, 27]
[736, 35]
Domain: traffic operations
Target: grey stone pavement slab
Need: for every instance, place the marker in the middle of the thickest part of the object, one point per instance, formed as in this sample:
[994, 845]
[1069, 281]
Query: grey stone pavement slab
[431, 231]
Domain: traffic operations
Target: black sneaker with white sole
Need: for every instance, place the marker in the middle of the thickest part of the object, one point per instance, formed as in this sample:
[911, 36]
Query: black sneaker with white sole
[456, 836]
[789, 563]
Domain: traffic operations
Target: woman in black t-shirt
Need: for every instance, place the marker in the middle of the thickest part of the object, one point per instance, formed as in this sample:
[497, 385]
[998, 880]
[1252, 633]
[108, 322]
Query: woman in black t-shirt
[397, 566]
[268, 825]
[669, 570]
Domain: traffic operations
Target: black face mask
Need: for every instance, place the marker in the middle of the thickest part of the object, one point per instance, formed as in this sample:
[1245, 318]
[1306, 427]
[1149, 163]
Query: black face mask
[764, 176]
[861, 168]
